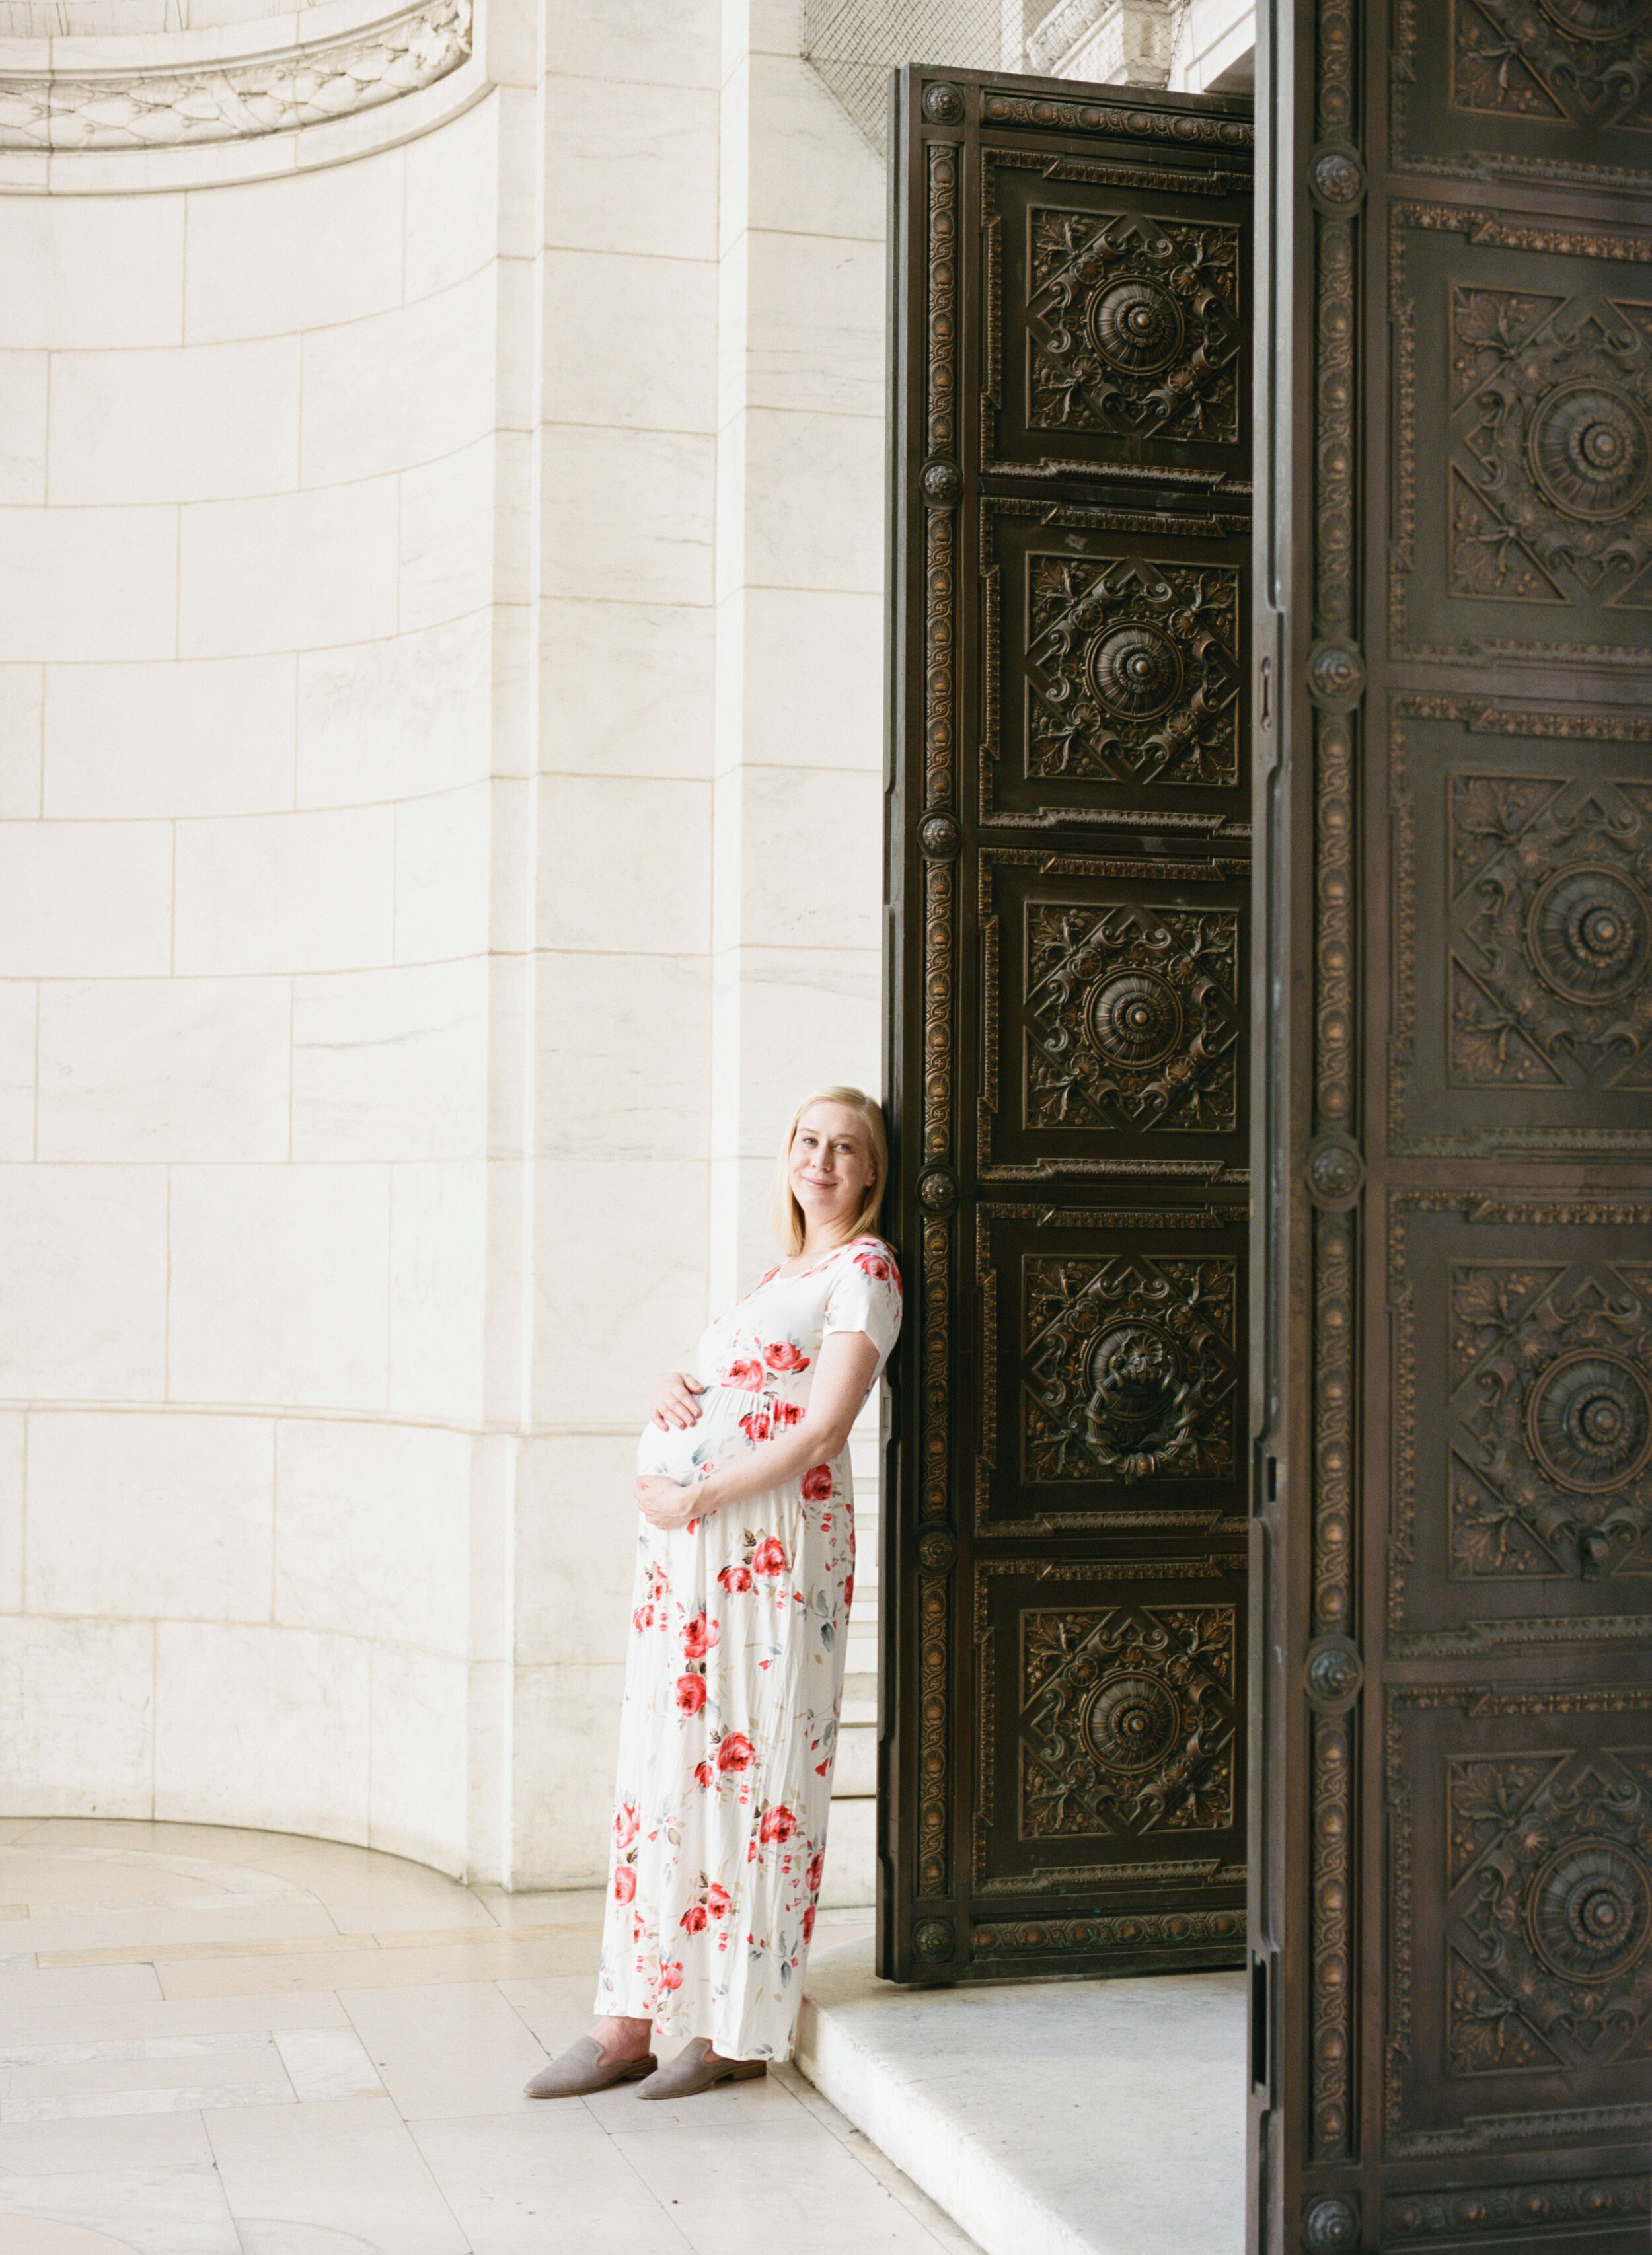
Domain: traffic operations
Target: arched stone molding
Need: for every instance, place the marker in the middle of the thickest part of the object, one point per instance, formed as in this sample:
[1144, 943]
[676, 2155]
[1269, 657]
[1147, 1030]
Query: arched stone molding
[232, 101]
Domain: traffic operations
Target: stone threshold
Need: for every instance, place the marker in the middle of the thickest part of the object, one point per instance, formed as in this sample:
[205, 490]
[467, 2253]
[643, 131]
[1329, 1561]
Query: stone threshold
[1046, 2118]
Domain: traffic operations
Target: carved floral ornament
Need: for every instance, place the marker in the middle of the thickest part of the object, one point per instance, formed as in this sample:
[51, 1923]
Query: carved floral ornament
[1133, 1018]
[172, 102]
[1551, 1412]
[1585, 62]
[1551, 932]
[1132, 326]
[1552, 448]
[1551, 1911]
[1128, 1722]
[1132, 670]
[1131, 1371]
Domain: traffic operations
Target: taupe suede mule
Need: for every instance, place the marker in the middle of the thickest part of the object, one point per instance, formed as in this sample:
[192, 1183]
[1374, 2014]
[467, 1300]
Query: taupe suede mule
[694, 2069]
[584, 2067]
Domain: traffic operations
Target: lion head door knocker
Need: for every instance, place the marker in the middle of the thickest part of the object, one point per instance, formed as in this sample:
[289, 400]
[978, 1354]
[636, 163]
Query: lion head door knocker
[1143, 1410]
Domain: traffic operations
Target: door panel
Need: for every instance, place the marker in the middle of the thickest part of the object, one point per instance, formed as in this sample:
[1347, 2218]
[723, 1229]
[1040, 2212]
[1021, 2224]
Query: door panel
[1064, 1772]
[1116, 649]
[1453, 1915]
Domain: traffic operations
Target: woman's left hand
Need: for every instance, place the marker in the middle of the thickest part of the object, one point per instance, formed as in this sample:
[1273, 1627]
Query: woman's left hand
[666, 1505]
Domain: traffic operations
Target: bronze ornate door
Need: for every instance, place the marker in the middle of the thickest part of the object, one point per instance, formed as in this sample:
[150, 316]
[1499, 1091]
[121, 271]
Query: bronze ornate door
[1063, 1781]
[1453, 1947]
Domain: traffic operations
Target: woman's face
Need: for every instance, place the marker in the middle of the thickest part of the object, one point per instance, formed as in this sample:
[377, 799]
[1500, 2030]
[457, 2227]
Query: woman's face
[830, 1164]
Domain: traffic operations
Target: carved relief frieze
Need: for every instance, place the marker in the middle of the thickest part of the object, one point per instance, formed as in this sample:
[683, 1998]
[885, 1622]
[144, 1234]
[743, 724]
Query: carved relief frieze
[1521, 1006]
[1588, 62]
[1114, 646]
[1134, 670]
[1133, 325]
[1549, 1912]
[1133, 1018]
[1551, 931]
[1552, 466]
[1559, 90]
[1527, 1956]
[1126, 1720]
[1552, 1420]
[70, 106]
[1523, 502]
[1131, 1371]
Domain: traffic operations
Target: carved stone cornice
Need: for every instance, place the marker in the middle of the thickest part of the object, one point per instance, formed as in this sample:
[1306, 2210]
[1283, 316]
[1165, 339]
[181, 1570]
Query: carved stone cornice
[237, 82]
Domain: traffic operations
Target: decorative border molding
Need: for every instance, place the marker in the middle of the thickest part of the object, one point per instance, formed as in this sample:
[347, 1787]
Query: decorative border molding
[942, 486]
[1336, 682]
[72, 96]
[1158, 1930]
[1000, 107]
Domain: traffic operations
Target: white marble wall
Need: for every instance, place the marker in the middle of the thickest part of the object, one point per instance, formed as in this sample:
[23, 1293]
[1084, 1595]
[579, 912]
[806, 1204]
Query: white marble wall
[253, 548]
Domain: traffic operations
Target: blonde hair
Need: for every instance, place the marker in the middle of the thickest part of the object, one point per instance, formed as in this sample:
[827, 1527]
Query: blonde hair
[785, 1215]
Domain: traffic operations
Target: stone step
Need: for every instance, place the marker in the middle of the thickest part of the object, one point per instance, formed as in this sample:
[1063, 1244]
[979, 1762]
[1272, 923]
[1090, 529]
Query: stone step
[1047, 2117]
[850, 1879]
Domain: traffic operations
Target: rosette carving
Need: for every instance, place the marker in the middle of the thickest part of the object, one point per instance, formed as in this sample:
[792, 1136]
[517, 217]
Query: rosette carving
[1128, 1722]
[1135, 326]
[1551, 926]
[1134, 670]
[1133, 1018]
[1552, 1421]
[1551, 448]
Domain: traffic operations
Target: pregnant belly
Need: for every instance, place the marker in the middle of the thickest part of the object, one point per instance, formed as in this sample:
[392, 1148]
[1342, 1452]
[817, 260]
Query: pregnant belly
[688, 1454]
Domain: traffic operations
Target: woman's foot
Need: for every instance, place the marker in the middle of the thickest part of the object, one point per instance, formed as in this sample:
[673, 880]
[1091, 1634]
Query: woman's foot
[622, 2040]
[615, 2051]
[697, 2068]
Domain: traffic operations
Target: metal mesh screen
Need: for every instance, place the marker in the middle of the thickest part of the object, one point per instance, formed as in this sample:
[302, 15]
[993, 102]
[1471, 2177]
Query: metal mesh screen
[853, 44]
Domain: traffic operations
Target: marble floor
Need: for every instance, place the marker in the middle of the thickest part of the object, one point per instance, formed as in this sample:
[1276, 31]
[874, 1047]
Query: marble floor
[216, 2042]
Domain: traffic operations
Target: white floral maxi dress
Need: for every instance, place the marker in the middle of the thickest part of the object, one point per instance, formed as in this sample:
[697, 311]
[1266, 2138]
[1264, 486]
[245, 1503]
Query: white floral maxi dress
[733, 1680]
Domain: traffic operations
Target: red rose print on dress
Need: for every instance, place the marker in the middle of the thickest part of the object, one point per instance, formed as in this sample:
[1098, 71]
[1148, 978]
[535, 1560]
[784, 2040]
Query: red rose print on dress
[699, 1637]
[724, 1873]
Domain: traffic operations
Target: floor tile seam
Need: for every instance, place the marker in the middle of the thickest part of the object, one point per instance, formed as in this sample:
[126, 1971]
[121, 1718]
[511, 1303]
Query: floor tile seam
[54, 1961]
[413, 2146]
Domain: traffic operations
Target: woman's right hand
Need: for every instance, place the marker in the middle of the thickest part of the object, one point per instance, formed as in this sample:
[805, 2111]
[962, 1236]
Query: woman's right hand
[672, 1405]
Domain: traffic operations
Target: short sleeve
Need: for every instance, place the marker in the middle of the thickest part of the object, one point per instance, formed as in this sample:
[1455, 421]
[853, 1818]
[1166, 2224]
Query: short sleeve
[866, 1296]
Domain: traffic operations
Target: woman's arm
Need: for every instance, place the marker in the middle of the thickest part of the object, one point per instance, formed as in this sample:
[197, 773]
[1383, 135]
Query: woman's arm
[841, 1378]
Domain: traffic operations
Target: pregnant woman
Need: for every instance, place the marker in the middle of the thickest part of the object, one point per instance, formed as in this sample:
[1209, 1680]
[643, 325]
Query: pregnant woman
[734, 1673]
